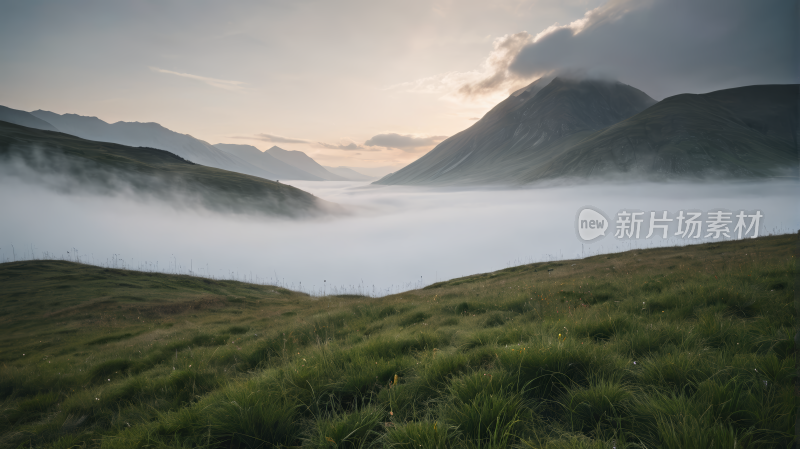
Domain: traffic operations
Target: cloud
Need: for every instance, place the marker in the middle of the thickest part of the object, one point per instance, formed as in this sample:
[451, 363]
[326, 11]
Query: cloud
[222, 84]
[491, 78]
[495, 74]
[407, 142]
[271, 138]
[349, 146]
[663, 47]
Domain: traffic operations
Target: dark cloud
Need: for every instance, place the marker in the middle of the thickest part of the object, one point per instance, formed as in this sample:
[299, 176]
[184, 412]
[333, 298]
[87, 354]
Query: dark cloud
[403, 142]
[665, 47]
[272, 138]
[349, 146]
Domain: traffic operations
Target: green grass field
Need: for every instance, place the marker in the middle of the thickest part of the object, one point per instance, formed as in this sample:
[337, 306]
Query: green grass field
[687, 347]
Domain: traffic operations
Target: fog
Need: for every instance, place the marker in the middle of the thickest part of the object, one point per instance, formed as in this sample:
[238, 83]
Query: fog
[397, 238]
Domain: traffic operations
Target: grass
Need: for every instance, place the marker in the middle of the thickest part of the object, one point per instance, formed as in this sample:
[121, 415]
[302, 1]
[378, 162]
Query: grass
[686, 347]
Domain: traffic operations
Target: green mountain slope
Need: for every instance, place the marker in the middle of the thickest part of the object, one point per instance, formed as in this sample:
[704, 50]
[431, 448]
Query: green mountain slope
[110, 168]
[747, 132]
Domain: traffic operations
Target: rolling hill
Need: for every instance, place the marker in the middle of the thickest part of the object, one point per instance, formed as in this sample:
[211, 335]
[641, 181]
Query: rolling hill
[109, 168]
[599, 129]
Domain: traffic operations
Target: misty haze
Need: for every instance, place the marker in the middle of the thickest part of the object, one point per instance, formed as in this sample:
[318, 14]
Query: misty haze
[392, 239]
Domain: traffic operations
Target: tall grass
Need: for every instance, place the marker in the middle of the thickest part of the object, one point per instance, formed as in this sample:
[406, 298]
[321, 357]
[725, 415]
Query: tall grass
[690, 347]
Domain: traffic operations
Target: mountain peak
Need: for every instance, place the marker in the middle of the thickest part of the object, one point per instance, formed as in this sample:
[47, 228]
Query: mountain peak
[582, 127]
[528, 124]
[304, 162]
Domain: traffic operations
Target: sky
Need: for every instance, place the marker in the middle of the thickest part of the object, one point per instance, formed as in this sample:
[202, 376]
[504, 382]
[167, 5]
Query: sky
[366, 83]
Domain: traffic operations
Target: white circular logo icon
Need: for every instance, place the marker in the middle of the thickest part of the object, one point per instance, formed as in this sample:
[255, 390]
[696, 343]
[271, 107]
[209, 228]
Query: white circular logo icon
[591, 224]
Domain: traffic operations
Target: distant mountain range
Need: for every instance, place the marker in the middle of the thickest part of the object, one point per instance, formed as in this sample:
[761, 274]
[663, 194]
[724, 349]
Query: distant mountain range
[151, 135]
[23, 118]
[566, 128]
[349, 173]
[110, 168]
[277, 168]
[303, 162]
[236, 158]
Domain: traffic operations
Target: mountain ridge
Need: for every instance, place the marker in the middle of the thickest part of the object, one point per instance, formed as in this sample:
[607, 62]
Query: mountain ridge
[350, 173]
[24, 118]
[152, 135]
[743, 132]
[266, 161]
[304, 162]
[527, 123]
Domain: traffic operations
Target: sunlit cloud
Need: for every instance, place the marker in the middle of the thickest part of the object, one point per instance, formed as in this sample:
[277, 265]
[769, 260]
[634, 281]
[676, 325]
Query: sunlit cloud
[407, 143]
[347, 147]
[491, 83]
[271, 138]
[214, 82]
[609, 12]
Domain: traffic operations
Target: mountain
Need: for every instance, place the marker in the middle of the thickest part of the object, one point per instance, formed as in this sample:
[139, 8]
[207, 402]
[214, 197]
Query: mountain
[744, 132]
[302, 161]
[151, 135]
[565, 128]
[377, 172]
[349, 173]
[266, 162]
[66, 163]
[524, 130]
[23, 118]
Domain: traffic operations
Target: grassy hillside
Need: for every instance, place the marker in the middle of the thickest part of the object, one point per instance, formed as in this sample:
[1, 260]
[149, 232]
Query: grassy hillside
[675, 347]
[111, 168]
